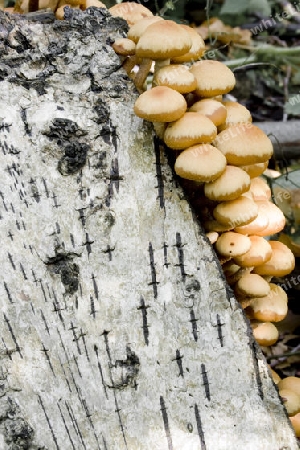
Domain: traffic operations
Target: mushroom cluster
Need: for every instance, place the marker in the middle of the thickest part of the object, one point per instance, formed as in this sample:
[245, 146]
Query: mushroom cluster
[220, 156]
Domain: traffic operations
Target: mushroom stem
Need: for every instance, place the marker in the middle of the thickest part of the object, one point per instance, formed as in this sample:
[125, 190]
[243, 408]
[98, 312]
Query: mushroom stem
[140, 78]
[129, 63]
[159, 128]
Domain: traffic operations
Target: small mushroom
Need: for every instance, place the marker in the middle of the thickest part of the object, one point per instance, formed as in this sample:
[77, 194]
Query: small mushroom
[201, 162]
[175, 76]
[291, 401]
[176, 41]
[271, 308]
[232, 244]
[191, 129]
[130, 11]
[212, 109]
[197, 49]
[251, 285]
[281, 263]
[244, 143]
[236, 212]
[265, 333]
[291, 383]
[258, 225]
[229, 186]
[159, 105]
[213, 78]
[236, 113]
[260, 252]
[260, 189]
[275, 216]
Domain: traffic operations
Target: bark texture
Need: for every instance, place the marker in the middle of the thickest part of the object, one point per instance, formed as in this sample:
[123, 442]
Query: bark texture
[117, 331]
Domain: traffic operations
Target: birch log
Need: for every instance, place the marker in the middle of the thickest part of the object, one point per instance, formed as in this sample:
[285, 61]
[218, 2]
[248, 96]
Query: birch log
[118, 330]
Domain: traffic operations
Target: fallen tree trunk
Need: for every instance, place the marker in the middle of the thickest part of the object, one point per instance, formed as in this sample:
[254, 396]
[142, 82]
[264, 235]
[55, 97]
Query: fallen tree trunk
[118, 330]
[285, 138]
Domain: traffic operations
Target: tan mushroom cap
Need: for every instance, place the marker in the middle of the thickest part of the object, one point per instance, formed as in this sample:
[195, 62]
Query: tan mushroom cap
[124, 46]
[136, 30]
[213, 78]
[291, 383]
[192, 128]
[197, 49]
[160, 104]
[213, 109]
[265, 333]
[256, 169]
[271, 308]
[130, 11]
[243, 144]
[251, 285]
[175, 76]
[236, 212]
[260, 189]
[276, 218]
[229, 186]
[281, 263]
[201, 162]
[258, 225]
[291, 401]
[259, 253]
[212, 236]
[214, 225]
[236, 113]
[295, 420]
[162, 40]
[232, 244]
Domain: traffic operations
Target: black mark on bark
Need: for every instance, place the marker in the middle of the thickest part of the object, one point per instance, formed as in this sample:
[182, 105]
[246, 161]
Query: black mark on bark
[143, 308]
[95, 286]
[199, 428]
[194, 321]
[74, 423]
[205, 381]
[166, 422]
[220, 334]
[45, 351]
[88, 243]
[154, 283]
[66, 427]
[178, 359]
[100, 370]
[179, 247]
[8, 293]
[18, 349]
[166, 263]
[48, 421]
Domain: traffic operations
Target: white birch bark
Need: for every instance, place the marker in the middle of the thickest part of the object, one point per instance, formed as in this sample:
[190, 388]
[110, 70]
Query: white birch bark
[118, 330]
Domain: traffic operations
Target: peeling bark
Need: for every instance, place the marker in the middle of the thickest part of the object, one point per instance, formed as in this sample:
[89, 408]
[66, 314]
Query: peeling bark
[118, 330]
